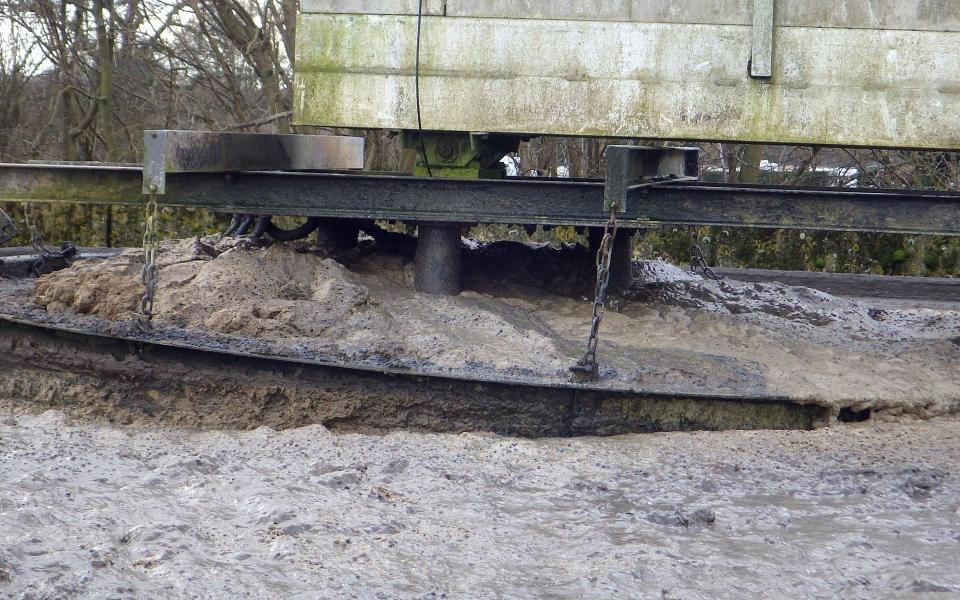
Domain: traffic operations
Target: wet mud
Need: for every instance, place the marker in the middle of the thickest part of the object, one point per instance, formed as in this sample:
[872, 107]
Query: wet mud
[98, 378]
[524, 315]
[90, 511]
[172, 473]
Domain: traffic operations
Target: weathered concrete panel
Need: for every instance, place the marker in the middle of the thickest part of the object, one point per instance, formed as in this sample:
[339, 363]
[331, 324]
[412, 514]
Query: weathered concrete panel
[828, 86]
[579, 10]
[372, 7]
[715, 12]
[921, 15]
[924, 15]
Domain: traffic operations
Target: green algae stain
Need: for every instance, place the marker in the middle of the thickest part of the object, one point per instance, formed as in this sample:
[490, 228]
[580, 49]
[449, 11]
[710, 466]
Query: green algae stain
[357, 71]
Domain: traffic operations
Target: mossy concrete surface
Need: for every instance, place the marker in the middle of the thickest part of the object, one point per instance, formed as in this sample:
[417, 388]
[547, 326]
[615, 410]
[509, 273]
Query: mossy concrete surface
[830, 86]
[920, 15]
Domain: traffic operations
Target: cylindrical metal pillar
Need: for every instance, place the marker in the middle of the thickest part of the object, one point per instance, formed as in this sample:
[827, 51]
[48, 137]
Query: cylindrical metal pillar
[621, 262]
[437, 265]
[337, 234]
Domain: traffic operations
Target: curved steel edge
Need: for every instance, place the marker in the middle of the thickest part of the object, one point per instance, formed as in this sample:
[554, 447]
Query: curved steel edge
[148, 378]
[145, 342]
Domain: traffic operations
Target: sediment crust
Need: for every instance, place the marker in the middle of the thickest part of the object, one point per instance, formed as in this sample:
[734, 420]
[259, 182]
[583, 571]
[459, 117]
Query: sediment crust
[96, 378]
[522, 319]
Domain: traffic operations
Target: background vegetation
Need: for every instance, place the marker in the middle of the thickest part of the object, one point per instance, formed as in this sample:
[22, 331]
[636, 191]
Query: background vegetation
[81, 79]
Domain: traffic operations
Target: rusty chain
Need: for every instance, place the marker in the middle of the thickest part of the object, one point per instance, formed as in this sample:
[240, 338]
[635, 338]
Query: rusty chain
[62, 255]
[587, 368]
[36, 238]
[8, 229]
[698, 261]
[151, 248]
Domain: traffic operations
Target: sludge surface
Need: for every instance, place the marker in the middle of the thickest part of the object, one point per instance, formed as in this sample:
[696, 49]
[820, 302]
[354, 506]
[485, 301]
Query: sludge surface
[525, 314]
[102, 512]
[91, 511]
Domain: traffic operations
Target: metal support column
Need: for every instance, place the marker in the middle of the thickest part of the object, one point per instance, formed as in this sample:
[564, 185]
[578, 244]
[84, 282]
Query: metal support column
[630, 168]
[621, 262]
[337, 234]
[437, 265]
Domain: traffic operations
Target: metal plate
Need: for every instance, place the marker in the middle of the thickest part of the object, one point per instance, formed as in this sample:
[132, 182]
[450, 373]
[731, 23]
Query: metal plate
[168, 152]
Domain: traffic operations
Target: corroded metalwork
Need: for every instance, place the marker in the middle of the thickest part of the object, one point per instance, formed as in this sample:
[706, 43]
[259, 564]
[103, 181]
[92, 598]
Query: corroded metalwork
[151, 249]
[513, 200]
[587, 368]
[167, 152]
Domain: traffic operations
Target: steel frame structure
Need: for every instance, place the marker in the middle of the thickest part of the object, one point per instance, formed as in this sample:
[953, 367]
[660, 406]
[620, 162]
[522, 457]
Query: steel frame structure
[264, 174]
[579, 203]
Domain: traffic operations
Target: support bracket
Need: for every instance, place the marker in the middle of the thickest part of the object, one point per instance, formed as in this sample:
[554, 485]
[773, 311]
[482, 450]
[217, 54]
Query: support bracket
[167, 152]
[632, 166]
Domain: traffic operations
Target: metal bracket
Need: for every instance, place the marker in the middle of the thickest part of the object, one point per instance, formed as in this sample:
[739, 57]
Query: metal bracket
[168, 152]
[629, 167]
[761, 60]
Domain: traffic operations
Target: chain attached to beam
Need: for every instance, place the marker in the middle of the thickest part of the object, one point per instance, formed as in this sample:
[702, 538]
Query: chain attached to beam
[587, 368]
[8, 229]
[698, 261]
[36, 238]
[151, 248]
[62, 255]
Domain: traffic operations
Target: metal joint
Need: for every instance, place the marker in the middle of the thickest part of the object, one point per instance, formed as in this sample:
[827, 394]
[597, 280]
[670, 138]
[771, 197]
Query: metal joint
[630, 167]
[168, 152]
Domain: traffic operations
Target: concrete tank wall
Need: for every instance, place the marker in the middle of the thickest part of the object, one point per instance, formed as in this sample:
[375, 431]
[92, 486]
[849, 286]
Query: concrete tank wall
[851, 72]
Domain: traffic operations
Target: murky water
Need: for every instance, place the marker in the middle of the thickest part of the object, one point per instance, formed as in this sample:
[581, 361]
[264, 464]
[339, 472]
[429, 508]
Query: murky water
[89, 511]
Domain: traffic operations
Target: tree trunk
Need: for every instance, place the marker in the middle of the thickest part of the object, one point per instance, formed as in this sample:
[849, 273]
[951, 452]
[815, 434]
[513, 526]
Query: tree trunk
[249, 38]
[105, 97]
[105, 83]
[750, 163]
[741, 162]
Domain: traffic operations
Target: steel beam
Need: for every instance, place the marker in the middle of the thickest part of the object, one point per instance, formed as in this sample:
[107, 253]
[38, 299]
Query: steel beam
[81, 183]
[167, 151]
[519, 201]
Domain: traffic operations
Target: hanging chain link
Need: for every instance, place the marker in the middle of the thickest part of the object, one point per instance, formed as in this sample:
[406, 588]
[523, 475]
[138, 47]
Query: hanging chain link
[151, 248]
[698, 261]
[8, 229]
[60, 257]
[36, 238]
[587, 368]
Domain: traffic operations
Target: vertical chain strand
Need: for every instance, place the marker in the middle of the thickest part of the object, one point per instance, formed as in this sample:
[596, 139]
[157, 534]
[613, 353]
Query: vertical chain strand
[587, 368]
[8, 228]
[36, 237]
[151, 248]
